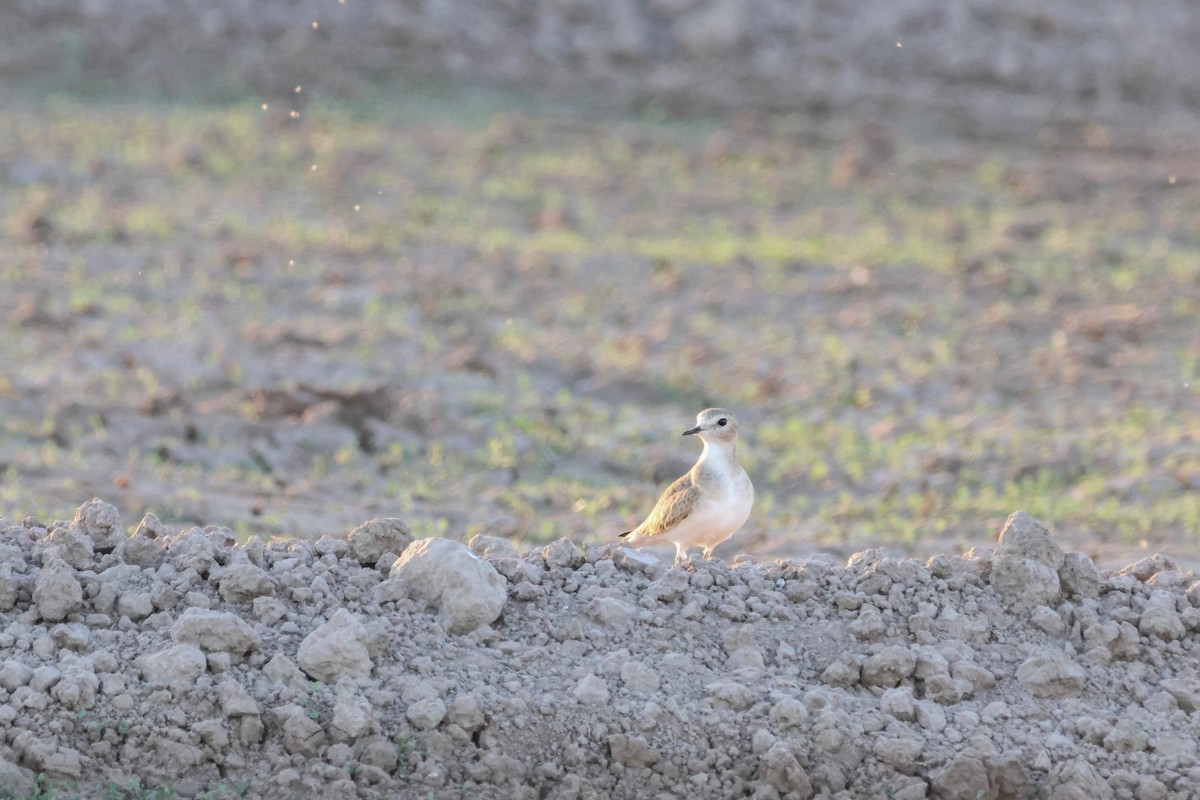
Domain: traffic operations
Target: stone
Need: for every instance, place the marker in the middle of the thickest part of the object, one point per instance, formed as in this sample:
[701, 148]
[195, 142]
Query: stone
[978, 677]
[235, 700]
[1078, 575]
[1160, 618]
[337, 648]
[1130, 734]
[71, 546]
[1047, 620]
[100, 522]
[492, 548]
[671, 586]
[1025, 537]
[220, 631]
[632, 751]
[64, 764]
[748, 657]
[329, 545]
[466, 713]
[843, 673]
[931, 716]
[14, 675]
[1193, 593]
[963, 777]
[177, 667]
[193, 550]
[78, 684]
[426, 714]
[611, 612]
[212, 732]
[591, 691]
[1051, 674]
[630, 560]
[145, 547]
[781, 770]
[268, 610]
[352, 716]
[1025, 580]
[375, 537]
[1009, 776]
[730, 694]
[56, 591]
[1185, 688]
[788, 713]
[44, 677]
[869, 624]
[899, 703]
[283, 670]
[135, 605]
[242, 583]
[1079, 780]
[889, 666]
[638, 677]
[415, 690]
[562, 554]
[899, 753]
[1146, 568]
[466, 590]
[302, 735]
[9, 586]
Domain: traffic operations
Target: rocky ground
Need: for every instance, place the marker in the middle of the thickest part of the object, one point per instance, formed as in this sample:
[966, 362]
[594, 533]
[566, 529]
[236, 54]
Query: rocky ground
[168, 663]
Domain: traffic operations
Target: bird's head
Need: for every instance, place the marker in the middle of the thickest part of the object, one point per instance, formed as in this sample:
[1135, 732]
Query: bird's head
[715, 425]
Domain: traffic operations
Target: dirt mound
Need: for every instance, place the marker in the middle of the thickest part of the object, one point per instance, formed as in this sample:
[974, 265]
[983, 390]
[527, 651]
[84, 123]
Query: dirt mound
[297, 668]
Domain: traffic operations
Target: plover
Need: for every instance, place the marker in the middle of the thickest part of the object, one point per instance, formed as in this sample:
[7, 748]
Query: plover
[708, 504]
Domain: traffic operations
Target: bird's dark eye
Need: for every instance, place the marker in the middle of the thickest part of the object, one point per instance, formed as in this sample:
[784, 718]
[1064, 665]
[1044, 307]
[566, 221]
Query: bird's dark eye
[722, 421]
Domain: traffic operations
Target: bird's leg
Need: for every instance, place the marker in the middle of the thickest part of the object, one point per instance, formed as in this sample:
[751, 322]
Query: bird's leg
[708, 553]
[679, 554]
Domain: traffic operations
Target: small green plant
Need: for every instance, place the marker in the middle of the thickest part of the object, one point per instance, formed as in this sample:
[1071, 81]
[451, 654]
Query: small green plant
[43, 790]
[403, 754]
[135, 791]
[310, 702]
[226, 789]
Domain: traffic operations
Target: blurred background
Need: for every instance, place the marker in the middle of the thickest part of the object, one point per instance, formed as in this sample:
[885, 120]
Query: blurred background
[287, 265]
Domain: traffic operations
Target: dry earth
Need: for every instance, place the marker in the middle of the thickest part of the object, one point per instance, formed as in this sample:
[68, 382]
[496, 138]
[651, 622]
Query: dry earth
[182, 664]
[510, 333]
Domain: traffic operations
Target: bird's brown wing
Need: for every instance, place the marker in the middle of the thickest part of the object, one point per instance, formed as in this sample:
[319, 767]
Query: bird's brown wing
[671, 509]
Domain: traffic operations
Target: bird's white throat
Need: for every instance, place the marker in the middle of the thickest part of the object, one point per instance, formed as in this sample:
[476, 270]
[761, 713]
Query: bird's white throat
[719, 468]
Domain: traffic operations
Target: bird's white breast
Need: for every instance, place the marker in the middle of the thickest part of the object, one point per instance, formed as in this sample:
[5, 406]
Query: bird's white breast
[730, 501]
[724, 504]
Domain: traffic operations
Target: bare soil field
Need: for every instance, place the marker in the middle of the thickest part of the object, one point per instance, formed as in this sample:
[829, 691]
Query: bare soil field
[489, 319]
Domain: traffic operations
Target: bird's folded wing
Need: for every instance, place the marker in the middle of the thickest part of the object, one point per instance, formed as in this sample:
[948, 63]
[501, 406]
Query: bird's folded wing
[671, 509]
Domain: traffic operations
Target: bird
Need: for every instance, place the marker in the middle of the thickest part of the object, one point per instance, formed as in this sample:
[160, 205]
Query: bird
[709, 503]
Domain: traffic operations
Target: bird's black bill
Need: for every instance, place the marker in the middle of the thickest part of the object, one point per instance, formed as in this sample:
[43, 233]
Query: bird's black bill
[690, 431]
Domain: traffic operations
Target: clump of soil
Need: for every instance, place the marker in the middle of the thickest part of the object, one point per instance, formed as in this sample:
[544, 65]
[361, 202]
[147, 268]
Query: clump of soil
[376, 666]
